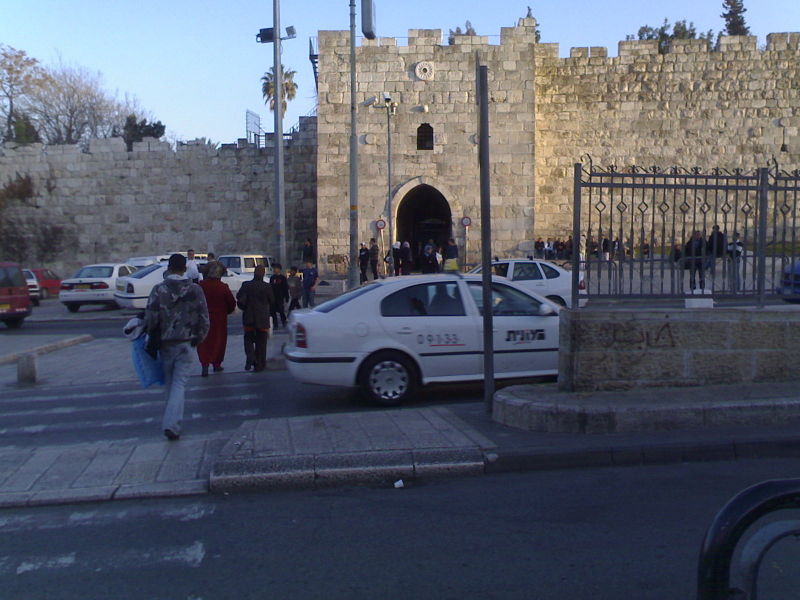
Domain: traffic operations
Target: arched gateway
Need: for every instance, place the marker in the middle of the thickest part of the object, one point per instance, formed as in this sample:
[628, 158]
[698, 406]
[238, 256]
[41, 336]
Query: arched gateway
[423, 215]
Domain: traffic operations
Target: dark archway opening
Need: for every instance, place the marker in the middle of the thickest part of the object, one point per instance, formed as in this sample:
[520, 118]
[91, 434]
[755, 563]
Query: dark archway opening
[424, 215]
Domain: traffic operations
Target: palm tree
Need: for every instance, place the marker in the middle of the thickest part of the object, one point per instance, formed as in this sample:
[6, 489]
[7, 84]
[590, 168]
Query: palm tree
[268, 88]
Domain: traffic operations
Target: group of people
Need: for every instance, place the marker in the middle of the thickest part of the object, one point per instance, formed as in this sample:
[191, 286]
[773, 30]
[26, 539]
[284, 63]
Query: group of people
[186, 314]
[400, 258]
[700, 255]
[553, 249]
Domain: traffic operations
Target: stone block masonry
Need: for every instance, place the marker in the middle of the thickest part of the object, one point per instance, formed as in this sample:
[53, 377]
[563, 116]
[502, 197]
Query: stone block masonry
[112, 204]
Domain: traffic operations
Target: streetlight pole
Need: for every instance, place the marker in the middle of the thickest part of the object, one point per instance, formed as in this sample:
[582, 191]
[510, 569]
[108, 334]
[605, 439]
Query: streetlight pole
[277, 84]
[352, 272]
[391, 109]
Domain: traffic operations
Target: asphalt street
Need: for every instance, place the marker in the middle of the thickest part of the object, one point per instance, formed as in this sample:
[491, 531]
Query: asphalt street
[613, 533]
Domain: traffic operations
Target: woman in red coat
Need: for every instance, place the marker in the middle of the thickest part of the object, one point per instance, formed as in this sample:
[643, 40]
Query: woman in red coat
[221, 303]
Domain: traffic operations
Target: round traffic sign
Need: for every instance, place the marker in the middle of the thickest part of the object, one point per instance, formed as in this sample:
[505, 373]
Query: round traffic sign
[466, 221]
[380, 224]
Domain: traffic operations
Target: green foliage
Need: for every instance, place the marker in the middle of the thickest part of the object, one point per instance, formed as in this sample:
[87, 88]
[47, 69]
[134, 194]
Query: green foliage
[136, 131]
[734, 17]
[19, 188]
[289, 88]
[25, 131]
[468, 30]
[668, 32]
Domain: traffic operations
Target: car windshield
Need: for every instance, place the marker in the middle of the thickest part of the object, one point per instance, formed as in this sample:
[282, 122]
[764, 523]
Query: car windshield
[11, 277]
[95, 272]
[500, 269]
[335, 303]
[146, 271]
[29, 274]
[230, 262]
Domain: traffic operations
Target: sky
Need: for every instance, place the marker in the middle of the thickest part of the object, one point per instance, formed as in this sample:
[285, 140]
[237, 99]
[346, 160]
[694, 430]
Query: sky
[195, 65]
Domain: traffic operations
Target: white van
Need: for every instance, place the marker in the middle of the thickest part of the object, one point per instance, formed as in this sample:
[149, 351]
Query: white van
[245, 263]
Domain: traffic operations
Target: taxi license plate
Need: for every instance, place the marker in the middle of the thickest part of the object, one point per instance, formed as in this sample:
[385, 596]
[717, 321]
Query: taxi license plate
[5, 307]
[83, 286]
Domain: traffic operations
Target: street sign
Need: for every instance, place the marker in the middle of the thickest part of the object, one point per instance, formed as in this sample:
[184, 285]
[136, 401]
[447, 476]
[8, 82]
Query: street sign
[380, 224]
[466, 221]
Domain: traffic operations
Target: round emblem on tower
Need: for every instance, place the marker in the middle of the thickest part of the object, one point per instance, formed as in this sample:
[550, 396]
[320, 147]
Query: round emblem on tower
[424, 70]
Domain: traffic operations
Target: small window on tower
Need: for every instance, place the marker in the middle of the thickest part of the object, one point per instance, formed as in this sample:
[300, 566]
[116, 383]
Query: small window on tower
[425, 137]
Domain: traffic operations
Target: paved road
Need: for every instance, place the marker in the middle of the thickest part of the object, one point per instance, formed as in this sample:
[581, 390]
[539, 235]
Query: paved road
[603, 534]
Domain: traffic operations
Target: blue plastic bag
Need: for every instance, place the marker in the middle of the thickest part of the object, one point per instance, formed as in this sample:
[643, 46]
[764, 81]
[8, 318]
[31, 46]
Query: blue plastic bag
[148, 369]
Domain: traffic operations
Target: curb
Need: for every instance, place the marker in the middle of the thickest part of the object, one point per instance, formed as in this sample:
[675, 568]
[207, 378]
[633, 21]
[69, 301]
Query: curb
[73, 341]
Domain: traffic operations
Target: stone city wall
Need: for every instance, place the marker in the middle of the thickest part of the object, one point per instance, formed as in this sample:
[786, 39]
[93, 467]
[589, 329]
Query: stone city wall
[107, 204]
[619, 349]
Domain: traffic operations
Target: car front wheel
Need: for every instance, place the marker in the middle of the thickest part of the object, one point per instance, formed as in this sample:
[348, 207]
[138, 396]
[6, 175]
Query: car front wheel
[14, 323]
[388, 378]
[72, 306]
[558, 300]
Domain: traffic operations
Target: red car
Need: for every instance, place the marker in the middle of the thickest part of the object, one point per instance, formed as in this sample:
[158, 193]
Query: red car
[49, 282]
[15, 303]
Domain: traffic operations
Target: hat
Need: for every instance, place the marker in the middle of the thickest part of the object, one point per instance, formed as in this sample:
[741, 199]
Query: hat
[177, 262]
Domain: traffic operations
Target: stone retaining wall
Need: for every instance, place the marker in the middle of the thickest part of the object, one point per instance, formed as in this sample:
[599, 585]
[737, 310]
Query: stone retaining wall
[627, 349]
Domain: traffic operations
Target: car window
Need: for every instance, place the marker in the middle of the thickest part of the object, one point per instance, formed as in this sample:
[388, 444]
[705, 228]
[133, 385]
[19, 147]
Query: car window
[231, 262]
[29, 274]
[550, 272]
[261, 261]
[506, 301]
[500, 269]
[50, 275]
[11, 277]
[526, 272]
[249, 263]
[335, 303]
[95, 272]
[123, 271]
[440, 299]
[146, 271]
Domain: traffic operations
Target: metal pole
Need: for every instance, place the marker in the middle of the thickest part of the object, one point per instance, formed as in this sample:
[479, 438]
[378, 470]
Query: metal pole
[352, 274]
[277, 84]
[763, 199]
[486, 238]
[389, 177]
[576, 232]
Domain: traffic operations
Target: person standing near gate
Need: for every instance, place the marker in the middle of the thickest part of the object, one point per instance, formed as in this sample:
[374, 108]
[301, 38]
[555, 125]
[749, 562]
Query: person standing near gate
[735, 251]
[363, 262]
[280, 293]
[451, 256]
[374, 256]
[255, 299]
[310, 276]
[716, 248]
[177, 316]
[694, 257]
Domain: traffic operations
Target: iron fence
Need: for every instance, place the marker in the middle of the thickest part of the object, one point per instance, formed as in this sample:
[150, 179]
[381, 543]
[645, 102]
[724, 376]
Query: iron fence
[668, 233]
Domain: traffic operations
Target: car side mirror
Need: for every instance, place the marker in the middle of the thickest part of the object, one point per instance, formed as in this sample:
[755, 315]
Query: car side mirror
[545, 310]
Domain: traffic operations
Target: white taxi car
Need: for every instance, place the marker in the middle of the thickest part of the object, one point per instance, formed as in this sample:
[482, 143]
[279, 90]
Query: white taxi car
[92, 284]
[540, 276]
[390, 336]
[134, 290]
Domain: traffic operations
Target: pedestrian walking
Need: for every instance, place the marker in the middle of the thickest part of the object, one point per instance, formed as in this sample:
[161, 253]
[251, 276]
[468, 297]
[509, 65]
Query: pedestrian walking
[363, 262]
[295, 287]
[177, 317]
[735, 252]
[220, 303]
[694, 256]
[451, 256]
[280, 291]
[374, 255]
[308, 251]
[310, 276]
[393, 258]
[192, 269]
[255, 299]
[406, 259]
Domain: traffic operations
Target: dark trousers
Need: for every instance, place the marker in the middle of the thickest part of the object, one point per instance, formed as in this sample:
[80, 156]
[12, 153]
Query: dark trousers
[277, 309]
[374, 265]
[255, 347]
[363, 268]
[293, 303]
[695, 267]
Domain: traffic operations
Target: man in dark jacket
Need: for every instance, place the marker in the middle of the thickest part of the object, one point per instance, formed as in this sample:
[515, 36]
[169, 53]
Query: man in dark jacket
[716, 247]
[427, 261]
[374, 255]
[255, 299]
[363, 262]
[280, 291]
[694, 257]
[176, 314]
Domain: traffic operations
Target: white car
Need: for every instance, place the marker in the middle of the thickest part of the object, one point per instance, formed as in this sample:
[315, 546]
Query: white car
[246, 263]
[134, 290]
[390, 336]
[92, 284]
[540, 276]
[34, 289]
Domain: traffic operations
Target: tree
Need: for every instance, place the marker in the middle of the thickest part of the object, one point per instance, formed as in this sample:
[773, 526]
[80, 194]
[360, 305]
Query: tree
[25, 131]
[734, 17]
[667, 32]
[136, 131]
[289, 88]
[468, 30]
[20, 74]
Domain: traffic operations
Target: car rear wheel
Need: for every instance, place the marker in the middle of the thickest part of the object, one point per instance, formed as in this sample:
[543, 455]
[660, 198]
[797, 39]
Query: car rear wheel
[388, 378]
[72, 306]
[14, 323]
[557, 299]
[35, 301]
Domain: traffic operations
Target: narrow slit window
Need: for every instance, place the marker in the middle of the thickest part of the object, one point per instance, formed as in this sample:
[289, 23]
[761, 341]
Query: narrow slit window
[425, 137]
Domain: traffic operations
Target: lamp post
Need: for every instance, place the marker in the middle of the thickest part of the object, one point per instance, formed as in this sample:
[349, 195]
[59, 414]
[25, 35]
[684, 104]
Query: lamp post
[266, 36]
[391, 110]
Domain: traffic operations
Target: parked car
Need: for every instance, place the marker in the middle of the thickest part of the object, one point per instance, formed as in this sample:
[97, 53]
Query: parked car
[93, 284]
[15, 302]
[246, 263]
[390, 336]
[540, 276]
[134, 290]
[144, 261]
[34, 290]
[789, 286]
[49, 282]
